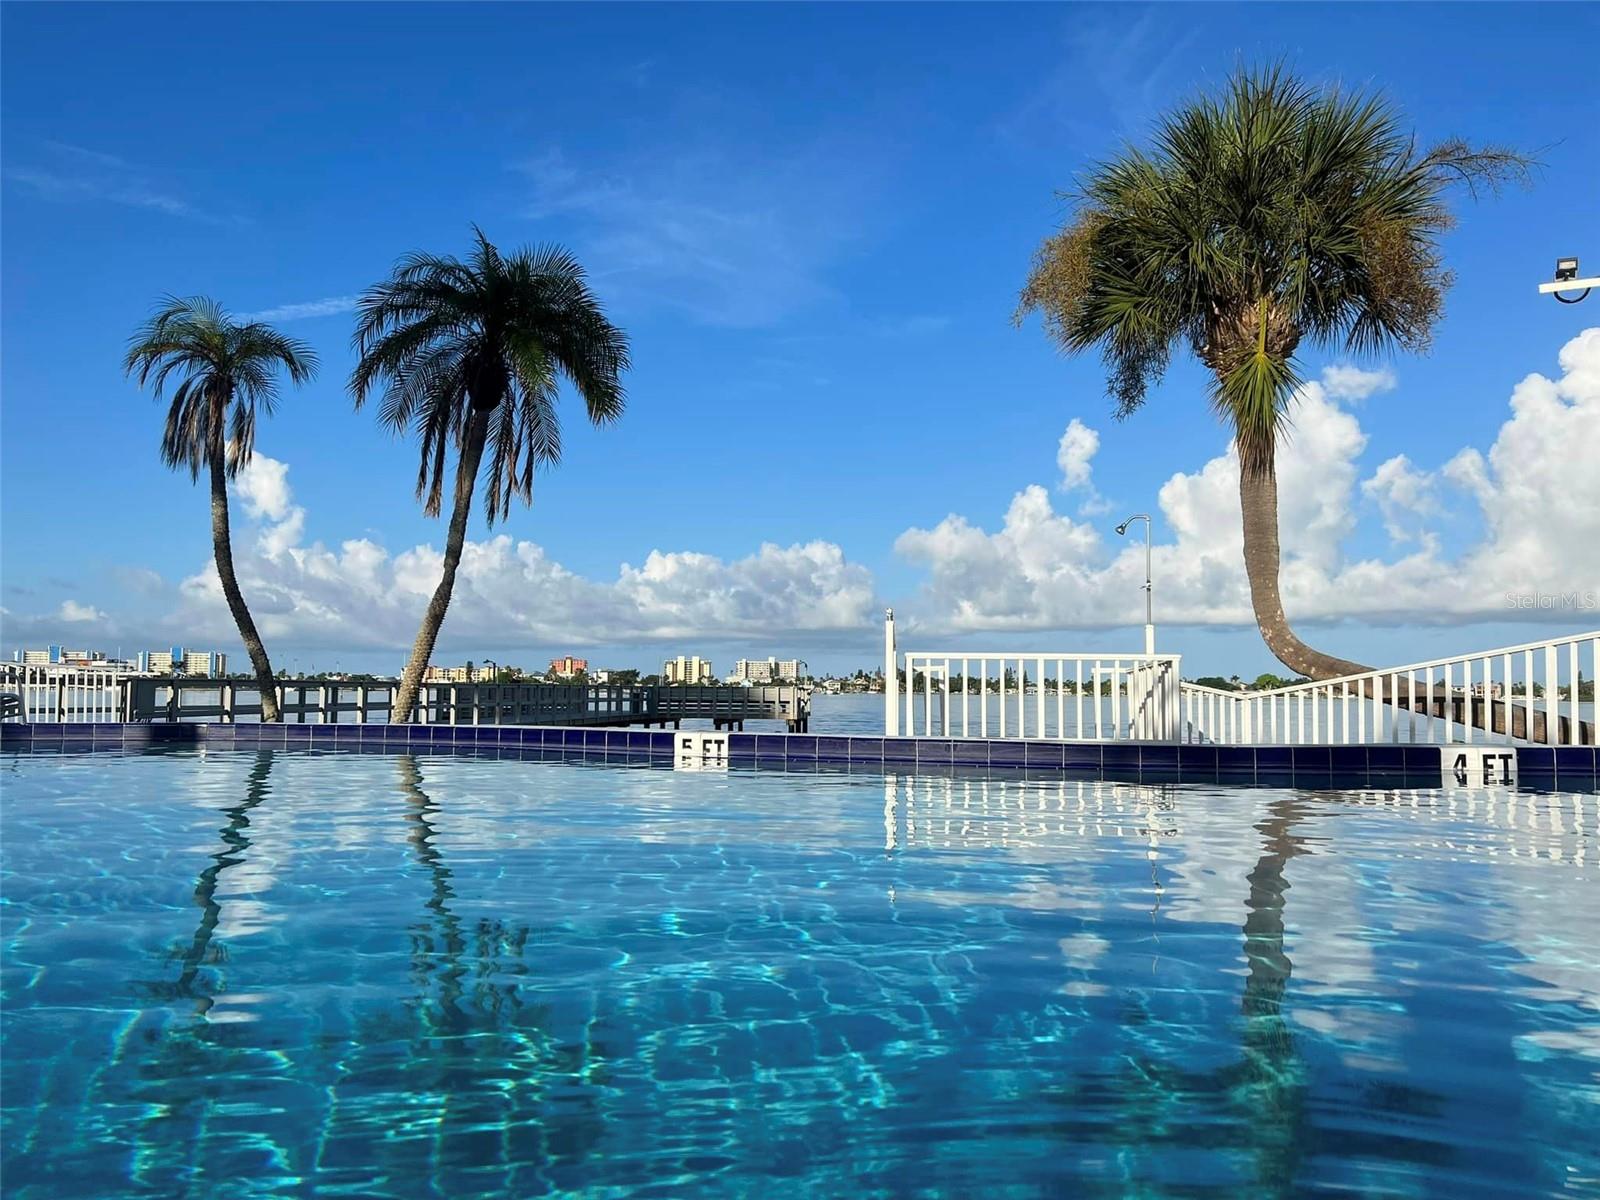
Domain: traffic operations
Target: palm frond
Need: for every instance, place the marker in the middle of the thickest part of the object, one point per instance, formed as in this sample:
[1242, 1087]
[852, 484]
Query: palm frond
[224, 372]
[1314, 207]
[442, 338]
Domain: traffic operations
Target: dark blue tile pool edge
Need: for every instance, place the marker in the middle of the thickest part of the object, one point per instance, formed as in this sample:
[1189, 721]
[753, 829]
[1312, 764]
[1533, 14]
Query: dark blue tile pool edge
[1388, 765]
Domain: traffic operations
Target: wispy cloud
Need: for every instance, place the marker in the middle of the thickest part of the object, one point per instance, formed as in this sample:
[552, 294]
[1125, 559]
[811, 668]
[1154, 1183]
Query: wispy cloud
[74, 174]
[1116, 72]
[731, 239]
[326, 307]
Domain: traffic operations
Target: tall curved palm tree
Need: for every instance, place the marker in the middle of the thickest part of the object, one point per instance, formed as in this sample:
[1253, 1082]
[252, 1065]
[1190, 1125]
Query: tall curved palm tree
[225, 371]
[1268, 216]
[470, 354]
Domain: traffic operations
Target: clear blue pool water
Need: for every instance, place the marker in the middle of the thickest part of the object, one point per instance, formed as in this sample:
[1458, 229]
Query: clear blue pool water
[300, 974]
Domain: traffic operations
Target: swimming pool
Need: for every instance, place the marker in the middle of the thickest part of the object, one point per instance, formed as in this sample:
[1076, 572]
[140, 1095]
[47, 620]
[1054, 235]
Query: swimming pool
[295, 972]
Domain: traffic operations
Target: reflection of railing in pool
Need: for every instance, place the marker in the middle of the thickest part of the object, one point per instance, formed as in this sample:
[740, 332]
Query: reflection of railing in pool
[936, 812]
[87, 695]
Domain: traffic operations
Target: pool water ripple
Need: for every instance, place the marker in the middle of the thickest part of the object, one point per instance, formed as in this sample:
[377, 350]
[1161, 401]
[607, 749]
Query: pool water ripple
[300, 973]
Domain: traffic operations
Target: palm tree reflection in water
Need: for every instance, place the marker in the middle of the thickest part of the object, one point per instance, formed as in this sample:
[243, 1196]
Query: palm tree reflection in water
[1272, 1079]
[498, 1057]
[202, 951]
[438, 944]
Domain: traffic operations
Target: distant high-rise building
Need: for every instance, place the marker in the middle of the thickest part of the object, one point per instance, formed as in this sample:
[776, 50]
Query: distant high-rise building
[686, 669]
[208, 663]
[566, 668]
[772, 670]
[158, 662]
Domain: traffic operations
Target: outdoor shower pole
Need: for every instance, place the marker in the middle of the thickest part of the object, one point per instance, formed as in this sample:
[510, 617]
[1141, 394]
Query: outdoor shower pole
[1149, 618]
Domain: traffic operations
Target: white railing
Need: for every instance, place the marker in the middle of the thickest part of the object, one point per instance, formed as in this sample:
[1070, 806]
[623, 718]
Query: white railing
[1039, 695]
[1058, 696]
[1527, 694]
[77, 694]
[70, 695]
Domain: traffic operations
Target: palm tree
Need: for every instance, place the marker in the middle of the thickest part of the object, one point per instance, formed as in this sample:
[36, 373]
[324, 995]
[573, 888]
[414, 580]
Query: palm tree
[226, 371]
[1268, 216]
[470, 354]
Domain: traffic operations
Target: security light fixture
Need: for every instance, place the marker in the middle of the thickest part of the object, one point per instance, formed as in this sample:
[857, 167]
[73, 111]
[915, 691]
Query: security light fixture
[1567, 280]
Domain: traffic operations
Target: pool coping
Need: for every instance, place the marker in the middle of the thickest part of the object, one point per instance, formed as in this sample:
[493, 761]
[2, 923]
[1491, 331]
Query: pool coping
[1569, 768]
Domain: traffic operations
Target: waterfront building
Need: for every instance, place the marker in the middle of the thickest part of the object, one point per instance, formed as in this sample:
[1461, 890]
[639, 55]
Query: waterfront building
[772, 670]
[209, 664]
[56, 656]
[462, 674]
[161, 662]
[566, 668]
[688, 669]
[173, 661]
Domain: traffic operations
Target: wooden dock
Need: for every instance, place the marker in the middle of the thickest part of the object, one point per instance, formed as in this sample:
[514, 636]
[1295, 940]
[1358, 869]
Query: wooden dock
[318, 701]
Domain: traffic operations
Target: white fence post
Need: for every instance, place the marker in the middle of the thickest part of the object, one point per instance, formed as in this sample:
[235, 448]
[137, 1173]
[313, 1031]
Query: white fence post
[891, 678]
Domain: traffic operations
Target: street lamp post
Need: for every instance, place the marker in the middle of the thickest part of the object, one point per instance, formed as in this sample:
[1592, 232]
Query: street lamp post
[1149, 618]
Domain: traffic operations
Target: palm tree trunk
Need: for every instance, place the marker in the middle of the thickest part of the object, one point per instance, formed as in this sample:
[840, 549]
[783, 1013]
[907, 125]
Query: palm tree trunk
[1258, 499]
[405, 697]
[222, 545]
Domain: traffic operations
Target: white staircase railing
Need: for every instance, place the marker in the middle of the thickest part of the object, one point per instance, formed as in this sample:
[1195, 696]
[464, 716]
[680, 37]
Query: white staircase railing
[1539, 693]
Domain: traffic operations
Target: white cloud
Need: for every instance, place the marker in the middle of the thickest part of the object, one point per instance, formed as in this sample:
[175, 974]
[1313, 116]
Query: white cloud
[72, 611]
[1075, 454]
[326, 307]
[511, 592]
[1037, 570]
[1346, 382]
[263, 485]
[1537, 490]
[1075, 459]
[1403, 494]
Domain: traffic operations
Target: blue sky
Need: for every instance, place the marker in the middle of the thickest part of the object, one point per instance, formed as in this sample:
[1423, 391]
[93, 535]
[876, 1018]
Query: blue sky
[813, 222]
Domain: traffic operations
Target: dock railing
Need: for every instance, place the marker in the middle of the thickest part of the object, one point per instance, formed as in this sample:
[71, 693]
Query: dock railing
[93, 695]
[1531, 694]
